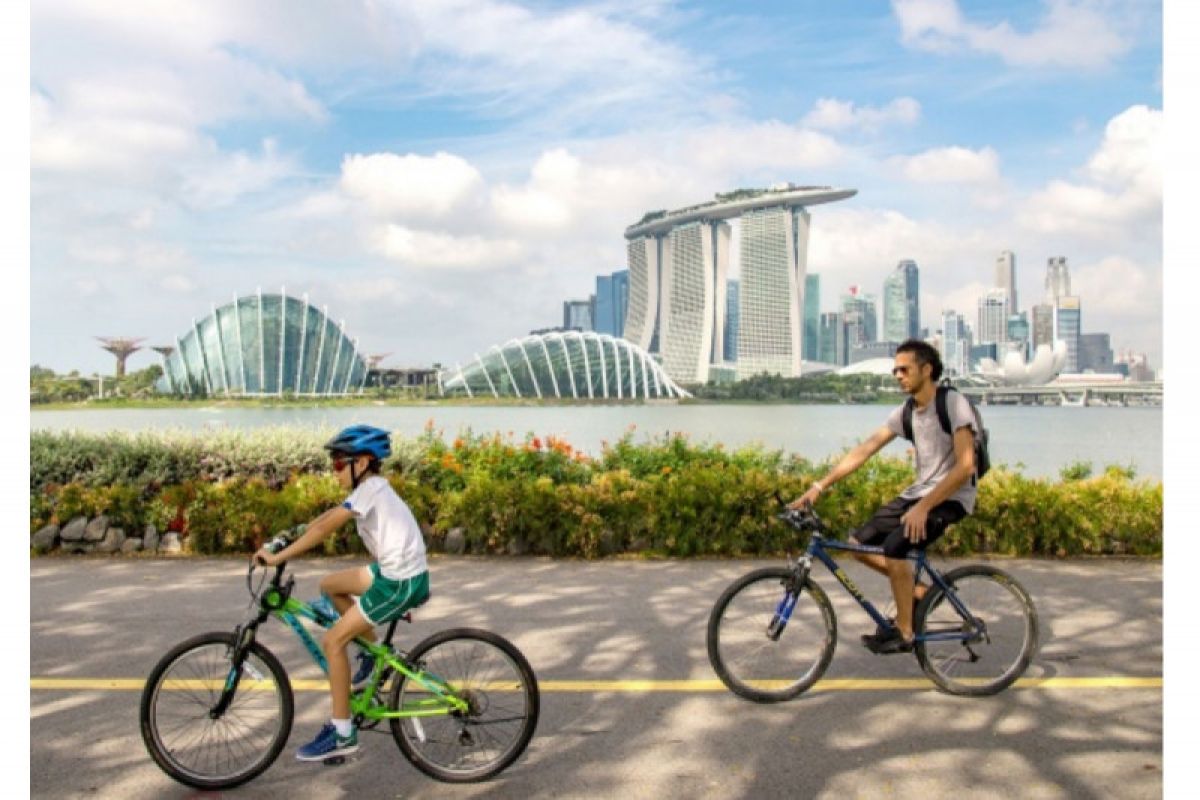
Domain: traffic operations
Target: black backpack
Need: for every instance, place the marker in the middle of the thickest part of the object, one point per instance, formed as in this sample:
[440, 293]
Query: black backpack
[983, 462]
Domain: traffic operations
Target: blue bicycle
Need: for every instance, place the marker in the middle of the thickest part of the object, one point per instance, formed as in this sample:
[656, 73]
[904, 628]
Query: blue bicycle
[772, 633]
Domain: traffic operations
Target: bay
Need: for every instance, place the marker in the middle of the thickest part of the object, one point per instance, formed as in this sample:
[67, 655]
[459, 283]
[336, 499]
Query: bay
[1039, 441]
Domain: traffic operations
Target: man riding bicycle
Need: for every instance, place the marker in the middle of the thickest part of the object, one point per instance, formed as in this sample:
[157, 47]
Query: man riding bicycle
[943, 493]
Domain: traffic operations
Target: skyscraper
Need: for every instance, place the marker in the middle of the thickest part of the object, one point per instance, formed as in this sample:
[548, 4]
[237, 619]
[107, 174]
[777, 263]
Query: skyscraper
[1058, 278]
[956, 343]
[834, 347]
[692, 322]
[901, 315]
[1042, 331]
[773, 255]
[732, 289]
[612, 300]
[669, 297]
[811, 338]
[863, 305]
[1068, 322]
[993, 317]
[1006, 278]
[577, 314]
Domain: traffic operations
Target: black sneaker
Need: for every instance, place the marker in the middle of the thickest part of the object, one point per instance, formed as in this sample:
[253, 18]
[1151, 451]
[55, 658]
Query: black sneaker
[881, 633]
[893, 642]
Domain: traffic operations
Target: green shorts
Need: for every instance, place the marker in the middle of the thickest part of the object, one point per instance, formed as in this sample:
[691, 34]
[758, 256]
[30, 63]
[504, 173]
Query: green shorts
[387, 599]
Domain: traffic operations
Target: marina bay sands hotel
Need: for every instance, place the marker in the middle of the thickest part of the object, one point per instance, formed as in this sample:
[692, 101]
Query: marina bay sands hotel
[678, 267]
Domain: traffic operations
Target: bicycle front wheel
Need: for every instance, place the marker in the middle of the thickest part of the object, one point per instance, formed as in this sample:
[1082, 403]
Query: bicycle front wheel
[985, 651]
[493, 677]
[757, 654]
[186, 684]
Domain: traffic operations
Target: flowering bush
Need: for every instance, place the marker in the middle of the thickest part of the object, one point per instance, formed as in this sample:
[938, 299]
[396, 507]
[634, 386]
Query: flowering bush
[228, 492]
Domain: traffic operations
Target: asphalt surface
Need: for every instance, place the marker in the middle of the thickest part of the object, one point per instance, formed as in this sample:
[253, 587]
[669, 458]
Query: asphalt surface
[577, 622]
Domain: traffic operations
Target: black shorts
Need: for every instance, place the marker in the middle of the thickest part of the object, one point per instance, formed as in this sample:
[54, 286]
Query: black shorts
[886, 530]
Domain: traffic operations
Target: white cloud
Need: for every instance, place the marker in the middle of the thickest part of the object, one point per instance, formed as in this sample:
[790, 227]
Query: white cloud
[432, 249]
[952, 165]
[836, 115]
[1120, 194]
[1117, 286]
[1073, 34]
[228, 176]
[410, 186]
[178, 284]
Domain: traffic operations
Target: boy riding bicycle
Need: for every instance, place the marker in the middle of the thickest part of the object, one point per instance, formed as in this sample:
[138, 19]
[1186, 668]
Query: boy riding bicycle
[396, 581]
[943, 493]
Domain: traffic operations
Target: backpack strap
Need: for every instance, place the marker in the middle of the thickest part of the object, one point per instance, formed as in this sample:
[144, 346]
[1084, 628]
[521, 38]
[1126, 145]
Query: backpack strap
[942, 411]
[906, 419]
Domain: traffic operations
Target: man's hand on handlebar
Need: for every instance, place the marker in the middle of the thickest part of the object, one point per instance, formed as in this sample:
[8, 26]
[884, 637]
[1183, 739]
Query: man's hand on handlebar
[807, 499]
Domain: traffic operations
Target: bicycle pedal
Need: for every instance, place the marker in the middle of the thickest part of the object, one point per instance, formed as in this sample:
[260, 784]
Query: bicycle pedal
[334, 761]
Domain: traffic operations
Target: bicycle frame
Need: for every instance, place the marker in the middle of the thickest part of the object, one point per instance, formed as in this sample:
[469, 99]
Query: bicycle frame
[276, 600]
[819, 547]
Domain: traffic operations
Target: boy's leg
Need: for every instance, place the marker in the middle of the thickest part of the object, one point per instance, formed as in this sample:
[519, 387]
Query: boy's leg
[343, 586]
[334, 643]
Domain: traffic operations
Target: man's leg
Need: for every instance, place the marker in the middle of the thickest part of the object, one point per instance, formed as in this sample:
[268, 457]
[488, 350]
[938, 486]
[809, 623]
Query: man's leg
[876, 532]
[900, 575]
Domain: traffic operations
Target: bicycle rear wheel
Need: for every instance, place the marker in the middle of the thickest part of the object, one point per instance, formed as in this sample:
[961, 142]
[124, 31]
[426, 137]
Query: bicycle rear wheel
[206, 753]
[757, 657]
[492, 675]
[1002, 627]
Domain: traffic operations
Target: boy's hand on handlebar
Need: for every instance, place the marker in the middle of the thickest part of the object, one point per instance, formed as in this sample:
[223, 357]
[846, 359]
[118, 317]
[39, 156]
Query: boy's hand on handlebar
[266, 557]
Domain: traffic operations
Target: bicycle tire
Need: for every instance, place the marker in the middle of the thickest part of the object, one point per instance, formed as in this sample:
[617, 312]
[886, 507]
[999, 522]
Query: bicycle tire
[187, 744]
[493, 675]
[1000, 655]
[739, 622]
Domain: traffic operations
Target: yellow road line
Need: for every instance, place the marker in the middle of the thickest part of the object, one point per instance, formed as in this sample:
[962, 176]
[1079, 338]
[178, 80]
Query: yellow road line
[629, 686]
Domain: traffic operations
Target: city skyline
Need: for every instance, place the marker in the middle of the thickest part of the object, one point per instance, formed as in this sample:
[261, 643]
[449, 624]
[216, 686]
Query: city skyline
[401, 163]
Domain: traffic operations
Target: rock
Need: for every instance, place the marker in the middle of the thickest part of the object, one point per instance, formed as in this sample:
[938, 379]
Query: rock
[131, 545]
[78, 548]
[113, 539]
[170, 543]
[456, 541]
[44, 540]
[150, 539]
[639, 544]
[95, 530]
[517, 546]
[74, 530]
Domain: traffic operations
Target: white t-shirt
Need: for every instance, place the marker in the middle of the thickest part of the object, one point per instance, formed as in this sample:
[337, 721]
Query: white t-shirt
[388, 528]
[935, 447]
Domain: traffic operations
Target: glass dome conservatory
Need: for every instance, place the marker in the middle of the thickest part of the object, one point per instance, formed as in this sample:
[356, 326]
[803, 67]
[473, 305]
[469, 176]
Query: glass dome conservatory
[567, 365]
[264, 345]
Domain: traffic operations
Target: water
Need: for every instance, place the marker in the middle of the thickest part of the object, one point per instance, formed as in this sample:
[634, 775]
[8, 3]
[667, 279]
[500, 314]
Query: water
[1042, 439]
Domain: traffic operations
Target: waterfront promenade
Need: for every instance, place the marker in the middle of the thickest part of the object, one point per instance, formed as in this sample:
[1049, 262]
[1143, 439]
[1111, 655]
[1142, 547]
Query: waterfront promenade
[630, 706]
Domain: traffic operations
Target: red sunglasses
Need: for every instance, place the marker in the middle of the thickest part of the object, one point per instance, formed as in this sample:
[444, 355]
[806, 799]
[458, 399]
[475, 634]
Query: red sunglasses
[340, 462]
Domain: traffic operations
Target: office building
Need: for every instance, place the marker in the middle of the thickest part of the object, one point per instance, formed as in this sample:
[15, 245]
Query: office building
[612, 300]
[870, 350]
[1095, 353]
[901, 315]
[956, 344]
[1018, 334]
[811, 336]
[692, 301]
[1068, 320]
[1042, 329]
[993, 317]
[577, 314]
[835, 348]
[731, 319]
[859, 309]
[1058, 279]
[1006, 278]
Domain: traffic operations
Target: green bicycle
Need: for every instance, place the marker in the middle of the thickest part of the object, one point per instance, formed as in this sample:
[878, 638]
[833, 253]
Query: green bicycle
[217, 709]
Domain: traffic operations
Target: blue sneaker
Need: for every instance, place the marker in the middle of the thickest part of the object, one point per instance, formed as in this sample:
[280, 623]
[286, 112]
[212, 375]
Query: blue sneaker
[328, 744]
[324, 607]
[366, 665]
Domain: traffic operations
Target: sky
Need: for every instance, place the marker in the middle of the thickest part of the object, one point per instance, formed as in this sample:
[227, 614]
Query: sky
[442, 175]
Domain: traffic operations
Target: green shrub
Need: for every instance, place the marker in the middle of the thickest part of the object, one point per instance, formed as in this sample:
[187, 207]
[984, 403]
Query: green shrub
[229, 492]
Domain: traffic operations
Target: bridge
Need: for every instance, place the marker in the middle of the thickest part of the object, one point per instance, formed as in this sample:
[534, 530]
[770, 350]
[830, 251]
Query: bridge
[1082, 393]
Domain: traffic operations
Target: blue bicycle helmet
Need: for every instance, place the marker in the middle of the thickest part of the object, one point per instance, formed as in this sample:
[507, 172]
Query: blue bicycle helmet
[360, 440]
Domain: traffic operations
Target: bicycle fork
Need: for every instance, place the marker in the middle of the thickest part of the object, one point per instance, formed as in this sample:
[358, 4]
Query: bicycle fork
[794, 585]
[243, 637]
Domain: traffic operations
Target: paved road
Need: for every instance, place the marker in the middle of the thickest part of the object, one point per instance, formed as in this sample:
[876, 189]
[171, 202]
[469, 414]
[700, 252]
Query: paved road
[599, 621]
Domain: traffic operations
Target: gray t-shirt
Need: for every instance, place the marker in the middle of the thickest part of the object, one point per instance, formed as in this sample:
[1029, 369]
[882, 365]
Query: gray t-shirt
[935, 447]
